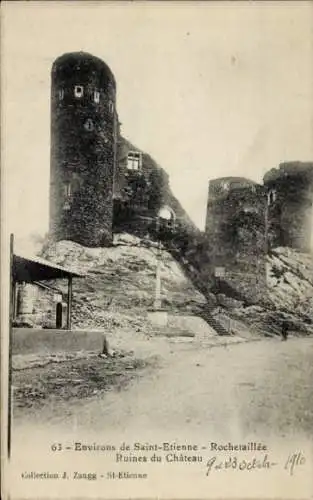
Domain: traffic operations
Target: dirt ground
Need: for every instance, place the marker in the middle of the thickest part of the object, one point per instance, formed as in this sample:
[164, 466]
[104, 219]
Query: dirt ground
[75, 379]
[262, 387]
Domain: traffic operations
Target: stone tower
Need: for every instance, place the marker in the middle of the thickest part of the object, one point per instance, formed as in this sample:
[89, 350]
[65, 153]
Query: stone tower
[290, 205]
[236, 230]
[84, 126]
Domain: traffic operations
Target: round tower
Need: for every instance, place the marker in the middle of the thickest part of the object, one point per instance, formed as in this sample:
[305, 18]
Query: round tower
[83, 149]
[290, 205]
[236, 230]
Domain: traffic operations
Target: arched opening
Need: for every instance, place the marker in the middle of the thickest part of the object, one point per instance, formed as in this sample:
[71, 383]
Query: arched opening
[59, 314]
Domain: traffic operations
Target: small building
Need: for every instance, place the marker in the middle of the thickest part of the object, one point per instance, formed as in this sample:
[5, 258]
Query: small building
[36, 302]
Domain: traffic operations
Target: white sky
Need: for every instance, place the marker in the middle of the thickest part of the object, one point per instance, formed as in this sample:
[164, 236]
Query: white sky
[208, 89]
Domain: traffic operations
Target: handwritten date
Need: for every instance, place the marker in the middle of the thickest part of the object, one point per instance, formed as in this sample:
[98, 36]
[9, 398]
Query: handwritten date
[232, 462]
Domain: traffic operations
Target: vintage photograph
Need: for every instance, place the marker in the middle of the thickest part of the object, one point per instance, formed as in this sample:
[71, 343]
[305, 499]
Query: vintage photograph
[157, 250]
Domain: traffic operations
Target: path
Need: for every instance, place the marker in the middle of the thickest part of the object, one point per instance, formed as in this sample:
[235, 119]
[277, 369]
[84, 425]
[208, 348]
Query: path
[254, 387]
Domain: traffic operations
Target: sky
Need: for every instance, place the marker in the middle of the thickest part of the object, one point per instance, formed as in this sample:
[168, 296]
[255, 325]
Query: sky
[208, 89]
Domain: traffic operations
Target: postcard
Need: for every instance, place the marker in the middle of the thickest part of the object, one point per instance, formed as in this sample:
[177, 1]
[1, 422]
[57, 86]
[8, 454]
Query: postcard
[157, 242]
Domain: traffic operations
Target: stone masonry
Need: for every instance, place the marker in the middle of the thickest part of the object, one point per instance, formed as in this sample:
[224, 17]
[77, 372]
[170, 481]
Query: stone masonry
[83, 149]
[235, 228]
[290, 205]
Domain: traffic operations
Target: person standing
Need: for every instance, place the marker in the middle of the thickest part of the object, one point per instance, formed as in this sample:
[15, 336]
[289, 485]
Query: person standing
[284, 330]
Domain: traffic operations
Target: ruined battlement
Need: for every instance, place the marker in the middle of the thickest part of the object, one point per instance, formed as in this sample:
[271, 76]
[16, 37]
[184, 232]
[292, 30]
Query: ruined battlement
[141, 188]
[289, 170]
[235, 227]
[289, 191]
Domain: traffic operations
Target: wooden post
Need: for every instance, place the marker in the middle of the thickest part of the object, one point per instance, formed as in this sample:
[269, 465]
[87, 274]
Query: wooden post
[11, 291]
[14, 300]
[69, 303]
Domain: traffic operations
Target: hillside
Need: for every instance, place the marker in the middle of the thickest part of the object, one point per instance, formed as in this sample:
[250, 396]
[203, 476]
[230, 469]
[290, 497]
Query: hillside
[119, 286]
[118, 289]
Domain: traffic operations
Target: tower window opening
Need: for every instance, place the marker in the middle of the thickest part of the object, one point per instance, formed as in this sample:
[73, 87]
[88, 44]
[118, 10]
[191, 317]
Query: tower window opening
[68, 189]
[96, 96]
[61, 94]
[78, 91]
[134, 161]
[271, 197]
[219, 272]
[111, 106]
[67, 196]
[89, 125]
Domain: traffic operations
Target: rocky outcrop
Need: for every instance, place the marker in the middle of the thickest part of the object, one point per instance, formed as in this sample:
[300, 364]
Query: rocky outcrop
[290, 281]
[119, 285]
[290, 295]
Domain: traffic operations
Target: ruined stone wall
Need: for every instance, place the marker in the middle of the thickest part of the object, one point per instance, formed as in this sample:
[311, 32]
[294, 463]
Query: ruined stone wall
[36, 306]
[235, 228]
[83, 149]
[139, 194]
[290, 212]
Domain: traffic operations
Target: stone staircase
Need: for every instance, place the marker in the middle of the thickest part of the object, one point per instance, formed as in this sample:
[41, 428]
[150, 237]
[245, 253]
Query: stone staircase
[201, 281]
[207, 315]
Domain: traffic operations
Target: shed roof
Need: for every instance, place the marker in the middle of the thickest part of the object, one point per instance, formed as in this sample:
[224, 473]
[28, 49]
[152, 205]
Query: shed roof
[30, 269]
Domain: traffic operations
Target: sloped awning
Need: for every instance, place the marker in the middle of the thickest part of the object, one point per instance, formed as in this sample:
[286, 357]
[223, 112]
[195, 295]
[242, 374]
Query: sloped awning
[34, 269]
[30, 269]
